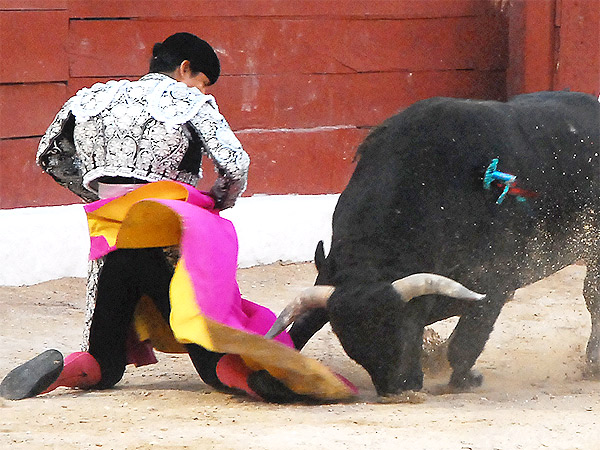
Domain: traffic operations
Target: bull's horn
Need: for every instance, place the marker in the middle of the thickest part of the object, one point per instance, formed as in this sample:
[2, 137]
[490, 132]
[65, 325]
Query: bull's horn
[311, 298]
[429, 283]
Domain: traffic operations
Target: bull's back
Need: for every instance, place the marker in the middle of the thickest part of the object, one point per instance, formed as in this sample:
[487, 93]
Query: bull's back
[417, 194]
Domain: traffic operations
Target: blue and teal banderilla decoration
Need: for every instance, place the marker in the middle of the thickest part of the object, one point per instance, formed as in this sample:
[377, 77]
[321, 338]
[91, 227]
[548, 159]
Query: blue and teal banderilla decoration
[491, 175]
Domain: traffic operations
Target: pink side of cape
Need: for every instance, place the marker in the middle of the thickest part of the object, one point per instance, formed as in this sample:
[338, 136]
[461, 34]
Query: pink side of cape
[209, 250]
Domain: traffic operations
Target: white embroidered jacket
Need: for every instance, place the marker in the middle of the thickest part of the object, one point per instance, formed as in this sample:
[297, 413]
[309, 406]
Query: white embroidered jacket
[152, 129]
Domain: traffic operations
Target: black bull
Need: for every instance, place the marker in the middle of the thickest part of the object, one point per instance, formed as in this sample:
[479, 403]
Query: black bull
[417, 203]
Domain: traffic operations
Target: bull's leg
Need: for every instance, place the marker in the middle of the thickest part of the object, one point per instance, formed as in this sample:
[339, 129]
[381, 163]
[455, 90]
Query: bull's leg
[307, 325]
[591, 293]
[469, 338]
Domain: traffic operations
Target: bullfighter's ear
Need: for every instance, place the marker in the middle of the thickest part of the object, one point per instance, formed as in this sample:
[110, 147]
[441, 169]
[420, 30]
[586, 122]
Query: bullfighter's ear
[428, 283]
[320, 256]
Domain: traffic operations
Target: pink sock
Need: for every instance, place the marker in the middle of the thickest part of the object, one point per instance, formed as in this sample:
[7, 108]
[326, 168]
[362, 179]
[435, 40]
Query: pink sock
[233, 372]
[80, 370]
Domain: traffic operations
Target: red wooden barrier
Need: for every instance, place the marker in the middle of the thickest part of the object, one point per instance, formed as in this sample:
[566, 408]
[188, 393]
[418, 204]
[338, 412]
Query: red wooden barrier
[33, 80]
[28, 109]
[372, 9]
[578, 59]
[314, 161]
[22, 182]
[532, 46]
[303, 80]
[33, 5]
[301, 46]
[554, 44]
[32, 46]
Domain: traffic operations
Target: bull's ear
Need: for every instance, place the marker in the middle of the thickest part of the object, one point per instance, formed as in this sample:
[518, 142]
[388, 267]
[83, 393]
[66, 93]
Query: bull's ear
[320, 256]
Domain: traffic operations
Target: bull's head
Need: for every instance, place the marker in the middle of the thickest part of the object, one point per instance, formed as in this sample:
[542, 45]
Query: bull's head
[378, 324]
[408, 288]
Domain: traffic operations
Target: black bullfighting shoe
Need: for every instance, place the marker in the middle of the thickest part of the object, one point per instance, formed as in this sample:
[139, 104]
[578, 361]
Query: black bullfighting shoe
[271, 389]
[33, 377]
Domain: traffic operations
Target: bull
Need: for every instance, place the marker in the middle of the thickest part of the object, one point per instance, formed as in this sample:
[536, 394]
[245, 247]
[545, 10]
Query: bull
[494, 195]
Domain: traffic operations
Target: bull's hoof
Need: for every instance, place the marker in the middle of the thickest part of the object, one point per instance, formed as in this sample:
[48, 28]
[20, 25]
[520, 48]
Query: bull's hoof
[464, 382]
[400, 384]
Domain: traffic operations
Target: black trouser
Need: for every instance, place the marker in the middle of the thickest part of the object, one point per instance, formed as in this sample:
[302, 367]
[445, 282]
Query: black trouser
[127, 275]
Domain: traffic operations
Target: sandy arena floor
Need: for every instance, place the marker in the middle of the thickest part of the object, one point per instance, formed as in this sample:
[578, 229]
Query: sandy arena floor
[533, 395]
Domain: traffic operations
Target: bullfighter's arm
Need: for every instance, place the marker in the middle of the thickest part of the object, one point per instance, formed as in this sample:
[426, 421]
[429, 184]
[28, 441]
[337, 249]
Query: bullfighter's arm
[57, 155]
[226, 152]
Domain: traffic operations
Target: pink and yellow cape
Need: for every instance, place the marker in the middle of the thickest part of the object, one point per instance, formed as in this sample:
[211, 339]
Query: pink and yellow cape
[206, 306]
